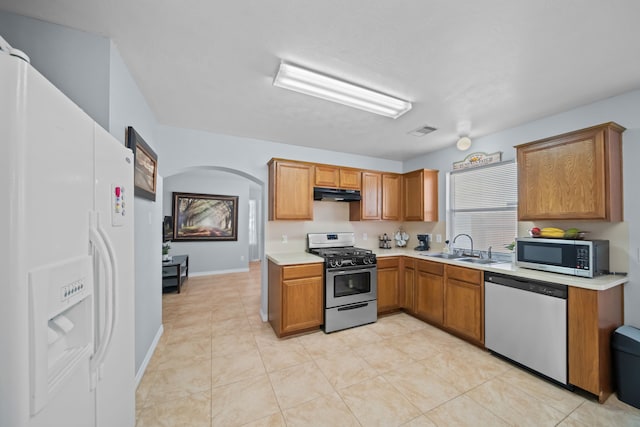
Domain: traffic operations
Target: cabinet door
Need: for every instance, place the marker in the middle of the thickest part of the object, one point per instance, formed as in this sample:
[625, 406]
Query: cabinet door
[407, 290]
[350, 179]
[327, 176]
[370, 193]
[388, 290]
[463, 309]
[412, 196]
[420, 195]
[391, 197]
[572, 176]
[301, 303]
[430, 297]
[592, 317]
[290, 191]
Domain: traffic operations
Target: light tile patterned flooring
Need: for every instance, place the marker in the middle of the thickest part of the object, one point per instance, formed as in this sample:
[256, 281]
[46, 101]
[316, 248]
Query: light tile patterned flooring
[218, 364]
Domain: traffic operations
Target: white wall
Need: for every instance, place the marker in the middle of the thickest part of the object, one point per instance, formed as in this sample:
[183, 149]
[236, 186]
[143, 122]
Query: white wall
[624, 237]
[75, 61]
[127, 107]
[213, 257]
[184, 148]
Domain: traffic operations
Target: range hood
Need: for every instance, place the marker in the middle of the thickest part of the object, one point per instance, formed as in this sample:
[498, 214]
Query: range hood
[320, 193]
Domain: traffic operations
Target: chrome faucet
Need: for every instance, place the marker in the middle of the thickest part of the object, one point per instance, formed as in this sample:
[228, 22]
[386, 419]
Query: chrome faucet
[470, 239]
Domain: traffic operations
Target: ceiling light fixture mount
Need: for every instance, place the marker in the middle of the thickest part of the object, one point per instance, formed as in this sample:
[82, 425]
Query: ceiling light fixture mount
[464, 129]
[332, 89]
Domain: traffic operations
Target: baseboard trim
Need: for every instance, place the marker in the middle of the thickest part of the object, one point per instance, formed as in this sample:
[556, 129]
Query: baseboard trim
[147, 357]
[216, 272]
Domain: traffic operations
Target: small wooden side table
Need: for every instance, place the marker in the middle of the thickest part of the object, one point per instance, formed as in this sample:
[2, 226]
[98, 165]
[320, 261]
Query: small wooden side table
[175, 272]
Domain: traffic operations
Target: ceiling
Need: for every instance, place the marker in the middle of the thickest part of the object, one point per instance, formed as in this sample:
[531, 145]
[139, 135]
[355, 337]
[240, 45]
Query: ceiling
[209, 65]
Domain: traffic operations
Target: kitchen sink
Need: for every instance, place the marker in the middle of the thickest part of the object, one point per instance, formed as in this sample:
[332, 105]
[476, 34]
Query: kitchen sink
[445, 256]
[478, 260]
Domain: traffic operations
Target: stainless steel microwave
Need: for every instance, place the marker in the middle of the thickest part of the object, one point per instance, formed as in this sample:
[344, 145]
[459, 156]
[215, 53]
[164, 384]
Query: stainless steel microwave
[584, 258]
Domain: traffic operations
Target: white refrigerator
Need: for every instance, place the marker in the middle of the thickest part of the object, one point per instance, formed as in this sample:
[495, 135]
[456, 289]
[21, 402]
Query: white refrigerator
[66, 260]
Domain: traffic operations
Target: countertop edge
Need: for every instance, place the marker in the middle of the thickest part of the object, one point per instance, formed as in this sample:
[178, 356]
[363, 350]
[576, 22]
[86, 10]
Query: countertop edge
[600, 283]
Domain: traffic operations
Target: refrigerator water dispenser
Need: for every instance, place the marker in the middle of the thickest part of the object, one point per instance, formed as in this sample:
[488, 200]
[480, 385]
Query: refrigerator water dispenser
[61, 325]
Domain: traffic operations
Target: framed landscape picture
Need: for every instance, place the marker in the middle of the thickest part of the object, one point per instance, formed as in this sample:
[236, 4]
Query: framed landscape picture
[204, 217]
[145, 172]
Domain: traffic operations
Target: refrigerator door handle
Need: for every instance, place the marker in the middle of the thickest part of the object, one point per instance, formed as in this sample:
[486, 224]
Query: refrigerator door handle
[104, 255]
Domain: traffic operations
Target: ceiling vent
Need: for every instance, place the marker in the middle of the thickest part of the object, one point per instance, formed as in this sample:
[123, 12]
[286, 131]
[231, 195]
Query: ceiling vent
[422, 130]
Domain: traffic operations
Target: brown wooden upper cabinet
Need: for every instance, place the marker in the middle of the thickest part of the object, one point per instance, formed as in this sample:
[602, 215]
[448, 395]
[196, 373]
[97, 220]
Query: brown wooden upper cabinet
[290, 190]
[335, 177]
[380, 198]
[576, 175]
[370, 205]
[420, 195]
[392, 196]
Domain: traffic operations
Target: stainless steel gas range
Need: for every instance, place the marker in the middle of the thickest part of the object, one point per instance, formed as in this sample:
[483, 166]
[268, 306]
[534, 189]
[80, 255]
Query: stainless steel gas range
[351, 280]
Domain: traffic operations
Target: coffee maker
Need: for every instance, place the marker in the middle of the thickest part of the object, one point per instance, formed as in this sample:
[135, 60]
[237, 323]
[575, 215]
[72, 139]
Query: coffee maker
[423, 242]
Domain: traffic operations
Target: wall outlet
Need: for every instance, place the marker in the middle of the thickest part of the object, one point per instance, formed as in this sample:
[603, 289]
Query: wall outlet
[364, 236]
[438, 238]
[285, 239]
[241, 257]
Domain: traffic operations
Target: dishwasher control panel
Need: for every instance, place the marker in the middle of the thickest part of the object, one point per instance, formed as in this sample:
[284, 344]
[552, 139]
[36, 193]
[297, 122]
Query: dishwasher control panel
[536, 286]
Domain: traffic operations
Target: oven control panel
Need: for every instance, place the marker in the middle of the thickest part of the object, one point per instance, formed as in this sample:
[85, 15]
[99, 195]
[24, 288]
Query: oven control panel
[347, 262]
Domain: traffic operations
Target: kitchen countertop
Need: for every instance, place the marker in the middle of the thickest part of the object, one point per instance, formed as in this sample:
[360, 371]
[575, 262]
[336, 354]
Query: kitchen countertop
[599, 283]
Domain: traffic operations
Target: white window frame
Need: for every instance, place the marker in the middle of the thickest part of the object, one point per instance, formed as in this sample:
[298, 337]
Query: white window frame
[493, 233]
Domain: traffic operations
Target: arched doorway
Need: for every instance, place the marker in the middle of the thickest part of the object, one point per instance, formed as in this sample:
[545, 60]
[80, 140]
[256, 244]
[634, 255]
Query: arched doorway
[194, 179]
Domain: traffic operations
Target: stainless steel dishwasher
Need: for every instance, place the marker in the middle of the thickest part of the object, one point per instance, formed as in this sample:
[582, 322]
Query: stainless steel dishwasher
[526, 322]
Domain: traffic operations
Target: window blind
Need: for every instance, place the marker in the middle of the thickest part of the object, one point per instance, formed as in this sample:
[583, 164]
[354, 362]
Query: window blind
[483, 202]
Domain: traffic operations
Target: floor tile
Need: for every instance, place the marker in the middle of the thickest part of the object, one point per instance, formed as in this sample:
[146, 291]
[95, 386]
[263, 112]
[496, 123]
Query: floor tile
[323, 411]
[466, 367]
[382, 356]
[514, 405]
[463, 411]
[612, 413]
[421, 421]
[273, 420]
[421, 386]
[183, 353]
[235, 367]
[375, 402]
[299, 384]
[345, 369]
[555, 396]
[175, 383]
[283, 355]
[416, 345]
[243, 402]
[222, 345]
[194, 410]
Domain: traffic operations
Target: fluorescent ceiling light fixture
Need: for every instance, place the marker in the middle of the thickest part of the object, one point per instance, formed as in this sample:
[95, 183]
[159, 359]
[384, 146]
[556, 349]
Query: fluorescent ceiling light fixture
[319, 85]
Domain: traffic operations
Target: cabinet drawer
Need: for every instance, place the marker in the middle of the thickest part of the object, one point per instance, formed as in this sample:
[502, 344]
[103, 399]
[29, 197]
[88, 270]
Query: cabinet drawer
[465, 274]
[300, 271]
[388, 262]
[431, 267]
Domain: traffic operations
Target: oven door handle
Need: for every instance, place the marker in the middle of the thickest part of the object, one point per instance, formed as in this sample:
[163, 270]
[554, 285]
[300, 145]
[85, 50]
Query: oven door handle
[360, 270]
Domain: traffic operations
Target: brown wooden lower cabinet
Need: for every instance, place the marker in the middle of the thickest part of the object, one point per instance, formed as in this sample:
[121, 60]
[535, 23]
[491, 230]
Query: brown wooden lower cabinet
[408, 285]
[388, 284]
[592, 318]
[295, 297]
[464, 302]
[429, 290]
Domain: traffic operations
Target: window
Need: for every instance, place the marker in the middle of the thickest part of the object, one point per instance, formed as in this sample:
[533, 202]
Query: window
[483, 202]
